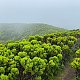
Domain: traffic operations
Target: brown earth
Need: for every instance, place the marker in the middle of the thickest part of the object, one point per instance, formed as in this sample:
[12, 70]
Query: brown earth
[69, 74]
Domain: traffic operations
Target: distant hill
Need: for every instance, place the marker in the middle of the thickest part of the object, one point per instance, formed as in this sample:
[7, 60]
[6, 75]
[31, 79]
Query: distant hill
[15, 31]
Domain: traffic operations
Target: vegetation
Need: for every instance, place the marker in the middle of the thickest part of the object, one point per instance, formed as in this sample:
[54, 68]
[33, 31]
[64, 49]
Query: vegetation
[17, 31]
[40, 57]
[76, 64]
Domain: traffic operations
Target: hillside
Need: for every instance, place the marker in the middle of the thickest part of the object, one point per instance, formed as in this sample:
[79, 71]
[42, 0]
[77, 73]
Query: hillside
[53, 56]
[16, 31]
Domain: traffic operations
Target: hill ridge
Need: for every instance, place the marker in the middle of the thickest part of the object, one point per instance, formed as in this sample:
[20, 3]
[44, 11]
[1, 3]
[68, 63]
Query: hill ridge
[13, 31]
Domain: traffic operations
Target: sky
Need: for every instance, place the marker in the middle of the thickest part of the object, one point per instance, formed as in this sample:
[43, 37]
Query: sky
[60, 13]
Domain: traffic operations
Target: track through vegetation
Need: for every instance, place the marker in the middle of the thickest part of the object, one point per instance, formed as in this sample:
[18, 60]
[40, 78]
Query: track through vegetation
[69, 73]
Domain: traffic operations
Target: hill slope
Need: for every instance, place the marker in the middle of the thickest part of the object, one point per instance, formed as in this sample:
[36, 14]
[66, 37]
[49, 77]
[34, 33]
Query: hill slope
[13, 31]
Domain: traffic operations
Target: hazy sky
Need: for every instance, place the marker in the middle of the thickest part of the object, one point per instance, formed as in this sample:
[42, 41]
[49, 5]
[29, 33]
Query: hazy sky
[61, 13]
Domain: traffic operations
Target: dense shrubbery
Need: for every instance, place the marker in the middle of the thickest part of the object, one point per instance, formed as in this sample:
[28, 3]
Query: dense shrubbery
[76, 64]
[38, 58]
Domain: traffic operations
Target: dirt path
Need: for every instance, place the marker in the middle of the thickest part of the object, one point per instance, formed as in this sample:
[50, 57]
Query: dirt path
[68, 74]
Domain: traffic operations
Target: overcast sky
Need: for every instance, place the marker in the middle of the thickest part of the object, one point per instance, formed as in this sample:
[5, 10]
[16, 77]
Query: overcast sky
[60, 13]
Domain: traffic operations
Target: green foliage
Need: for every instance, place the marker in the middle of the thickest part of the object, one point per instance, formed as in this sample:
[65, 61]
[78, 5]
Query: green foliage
[3, 77]
[2, 70]
[76, 63]
[27, 64]
[39, 65]
[39, 57]
[78, 53]
[22, 54]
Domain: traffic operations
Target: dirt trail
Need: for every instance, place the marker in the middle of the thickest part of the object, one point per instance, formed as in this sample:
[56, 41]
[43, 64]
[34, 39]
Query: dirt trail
[69, 74]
